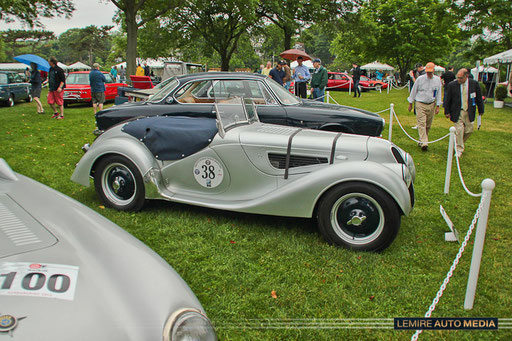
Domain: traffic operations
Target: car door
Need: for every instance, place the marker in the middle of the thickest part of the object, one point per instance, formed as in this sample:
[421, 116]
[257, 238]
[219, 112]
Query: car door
[110, 88]
[17, 87]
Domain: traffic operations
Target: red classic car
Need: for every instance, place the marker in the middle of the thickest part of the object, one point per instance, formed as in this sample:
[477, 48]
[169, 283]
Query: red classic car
[342, 81]
[78, 90]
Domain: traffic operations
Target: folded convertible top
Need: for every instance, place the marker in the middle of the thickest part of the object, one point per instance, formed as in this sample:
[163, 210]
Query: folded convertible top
[173, 137]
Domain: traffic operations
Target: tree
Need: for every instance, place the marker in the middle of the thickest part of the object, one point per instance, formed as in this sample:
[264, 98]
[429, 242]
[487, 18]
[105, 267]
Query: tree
[220, 23]
[399, 32]
[290, 15]
[135, 14]
[88, 44]
[27, 40]
[29, 11]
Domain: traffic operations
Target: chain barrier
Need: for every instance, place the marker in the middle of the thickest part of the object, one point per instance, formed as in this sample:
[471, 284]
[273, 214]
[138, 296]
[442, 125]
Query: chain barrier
[412, 138]
[453, 267]
[460, 173]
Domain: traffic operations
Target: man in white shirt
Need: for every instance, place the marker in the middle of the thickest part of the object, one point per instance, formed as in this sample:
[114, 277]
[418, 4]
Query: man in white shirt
[426, 95]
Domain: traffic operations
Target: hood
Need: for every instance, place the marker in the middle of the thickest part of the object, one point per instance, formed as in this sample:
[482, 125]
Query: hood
[117, 289]
[76, 86]
[306, 103]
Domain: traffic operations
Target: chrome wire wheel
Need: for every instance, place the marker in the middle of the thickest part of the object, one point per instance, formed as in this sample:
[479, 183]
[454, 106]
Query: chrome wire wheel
[118, 184]
[357, 218]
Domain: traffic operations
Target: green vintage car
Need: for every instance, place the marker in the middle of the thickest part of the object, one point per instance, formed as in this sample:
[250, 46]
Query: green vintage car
[13, 88]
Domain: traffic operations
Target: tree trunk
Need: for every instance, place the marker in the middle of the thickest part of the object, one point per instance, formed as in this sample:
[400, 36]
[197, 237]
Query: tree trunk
[131, 44]
[224, 60]
[287, 37]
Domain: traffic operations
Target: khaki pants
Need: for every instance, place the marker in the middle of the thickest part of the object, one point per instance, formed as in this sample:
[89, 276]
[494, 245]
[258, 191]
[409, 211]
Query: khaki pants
[463, 129]
[424, 116]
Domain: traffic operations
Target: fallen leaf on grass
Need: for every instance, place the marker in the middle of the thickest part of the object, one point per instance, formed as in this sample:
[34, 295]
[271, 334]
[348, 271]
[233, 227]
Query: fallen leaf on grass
[372, 297]
[273, 294]
[102, 207]
[232, 241]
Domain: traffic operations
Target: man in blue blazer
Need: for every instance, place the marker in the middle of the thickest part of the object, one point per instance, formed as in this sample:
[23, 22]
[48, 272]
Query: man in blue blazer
[463, 96]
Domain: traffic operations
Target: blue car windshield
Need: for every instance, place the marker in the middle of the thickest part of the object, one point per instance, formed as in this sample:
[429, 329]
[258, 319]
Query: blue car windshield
[285, 97]
[164, 91]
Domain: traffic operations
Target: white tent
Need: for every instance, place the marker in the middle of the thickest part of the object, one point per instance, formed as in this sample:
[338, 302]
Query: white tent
[504, 57]
[438, 68]
[482, 69]
[307, 63]
[377, 66]
[13, 67]
[79, 66]
[62, 66]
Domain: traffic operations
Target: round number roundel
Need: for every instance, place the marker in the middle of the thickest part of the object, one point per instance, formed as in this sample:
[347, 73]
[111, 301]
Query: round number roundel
[208, 172]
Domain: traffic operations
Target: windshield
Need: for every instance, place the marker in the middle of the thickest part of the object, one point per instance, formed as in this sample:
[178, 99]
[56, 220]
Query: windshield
[164, 91]
[284, 95]
[78, 78]
[234, 111]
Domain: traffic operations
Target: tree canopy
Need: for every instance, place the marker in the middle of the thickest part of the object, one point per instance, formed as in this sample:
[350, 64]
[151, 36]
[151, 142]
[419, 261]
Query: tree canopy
[30, 11]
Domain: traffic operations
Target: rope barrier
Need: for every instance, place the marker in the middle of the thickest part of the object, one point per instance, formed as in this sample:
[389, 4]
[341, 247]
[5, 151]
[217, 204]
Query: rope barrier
[410, 137]
[460, 175]
[453, 267]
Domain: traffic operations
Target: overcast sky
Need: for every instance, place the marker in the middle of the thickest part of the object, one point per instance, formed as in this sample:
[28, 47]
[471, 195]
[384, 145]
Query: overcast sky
[87, 12]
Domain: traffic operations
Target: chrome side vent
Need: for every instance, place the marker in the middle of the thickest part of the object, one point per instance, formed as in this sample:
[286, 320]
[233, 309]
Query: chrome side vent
[279, 160]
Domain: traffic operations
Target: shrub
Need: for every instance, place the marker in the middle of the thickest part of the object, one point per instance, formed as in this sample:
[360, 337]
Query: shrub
[501, 93]
[483, 88]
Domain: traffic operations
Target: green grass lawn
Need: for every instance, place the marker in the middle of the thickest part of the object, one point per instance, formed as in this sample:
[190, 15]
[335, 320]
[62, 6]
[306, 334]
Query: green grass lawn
[234, 261]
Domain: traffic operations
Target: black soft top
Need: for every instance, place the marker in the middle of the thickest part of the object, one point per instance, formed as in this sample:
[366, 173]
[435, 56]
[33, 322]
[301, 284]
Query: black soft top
[173, 137]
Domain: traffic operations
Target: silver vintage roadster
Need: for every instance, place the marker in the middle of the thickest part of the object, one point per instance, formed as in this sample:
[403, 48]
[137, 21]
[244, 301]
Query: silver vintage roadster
[67, 273]
[357, 187]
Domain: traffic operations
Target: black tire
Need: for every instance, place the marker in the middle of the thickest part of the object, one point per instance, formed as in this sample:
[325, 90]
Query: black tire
[10, 101]
[119, 184]
[378, 87]
[341, 211]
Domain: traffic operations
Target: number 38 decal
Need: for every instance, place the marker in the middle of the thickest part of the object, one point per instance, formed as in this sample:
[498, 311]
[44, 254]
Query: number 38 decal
[208, 172]
[38, 280]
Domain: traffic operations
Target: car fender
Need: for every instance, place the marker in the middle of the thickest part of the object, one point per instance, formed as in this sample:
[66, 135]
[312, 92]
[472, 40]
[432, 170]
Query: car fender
[299, 195]
[123, 145]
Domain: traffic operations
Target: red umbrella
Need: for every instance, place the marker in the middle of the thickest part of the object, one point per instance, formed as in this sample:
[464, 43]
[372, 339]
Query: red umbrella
[292, 54]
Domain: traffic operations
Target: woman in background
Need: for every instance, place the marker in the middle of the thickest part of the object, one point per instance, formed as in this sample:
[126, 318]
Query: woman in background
[36, 80]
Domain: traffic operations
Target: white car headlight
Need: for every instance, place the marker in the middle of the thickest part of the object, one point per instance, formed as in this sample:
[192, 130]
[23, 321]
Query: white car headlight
[188, 325]
[407, 176]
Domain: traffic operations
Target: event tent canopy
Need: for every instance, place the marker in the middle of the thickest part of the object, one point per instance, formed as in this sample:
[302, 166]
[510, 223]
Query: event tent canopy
[504, 57]
[482, 69]
[306, 63]
[13, 67]
[377, 66]
[63, 66]
[79, 66]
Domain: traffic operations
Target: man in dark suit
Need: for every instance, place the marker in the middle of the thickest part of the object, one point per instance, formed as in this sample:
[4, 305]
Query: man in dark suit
[463, 96]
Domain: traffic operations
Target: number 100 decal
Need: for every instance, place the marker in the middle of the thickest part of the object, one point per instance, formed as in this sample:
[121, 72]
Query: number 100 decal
[38, 280]
[208, 172]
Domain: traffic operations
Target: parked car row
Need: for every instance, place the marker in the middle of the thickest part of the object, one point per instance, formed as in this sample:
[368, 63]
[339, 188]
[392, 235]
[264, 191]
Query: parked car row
[341, 81]
[78, 89]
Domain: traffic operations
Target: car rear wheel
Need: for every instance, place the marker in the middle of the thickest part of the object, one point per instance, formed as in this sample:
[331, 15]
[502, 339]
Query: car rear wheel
[378, 87]
[358, 216]
[119, 184]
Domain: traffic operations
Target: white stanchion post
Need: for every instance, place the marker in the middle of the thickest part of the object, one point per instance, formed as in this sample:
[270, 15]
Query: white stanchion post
[389, 85]
[349, 88]
[449, 161]
[328, 95]
[391, 111]
[487, 187]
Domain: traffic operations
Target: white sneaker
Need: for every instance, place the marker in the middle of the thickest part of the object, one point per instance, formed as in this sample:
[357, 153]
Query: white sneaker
[415, 127]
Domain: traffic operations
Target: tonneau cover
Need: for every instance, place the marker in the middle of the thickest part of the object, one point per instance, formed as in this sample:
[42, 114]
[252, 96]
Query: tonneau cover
[173, 137]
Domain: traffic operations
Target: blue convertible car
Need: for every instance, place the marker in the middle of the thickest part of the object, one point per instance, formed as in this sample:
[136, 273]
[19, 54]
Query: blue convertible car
[192, 95]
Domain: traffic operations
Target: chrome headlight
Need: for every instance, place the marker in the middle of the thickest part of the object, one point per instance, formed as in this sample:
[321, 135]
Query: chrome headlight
[188, 324]
[407, 176]
[409, 162]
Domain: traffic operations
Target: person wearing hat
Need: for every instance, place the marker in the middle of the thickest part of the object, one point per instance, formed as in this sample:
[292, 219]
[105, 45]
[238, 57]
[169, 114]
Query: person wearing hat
[319, 80]
[278, 73]
[301, 77]
[426, 96]
[462, 98]
[97, 81]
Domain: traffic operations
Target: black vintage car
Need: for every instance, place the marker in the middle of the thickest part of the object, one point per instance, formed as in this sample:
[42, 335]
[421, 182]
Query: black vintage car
[193, 95]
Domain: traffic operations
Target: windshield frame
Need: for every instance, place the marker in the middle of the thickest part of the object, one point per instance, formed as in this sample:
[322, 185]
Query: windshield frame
[164, 92]
[276, 87]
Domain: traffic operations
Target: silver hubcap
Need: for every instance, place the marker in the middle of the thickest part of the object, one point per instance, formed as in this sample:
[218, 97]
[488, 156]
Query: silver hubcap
[115, 188]
[357, 218]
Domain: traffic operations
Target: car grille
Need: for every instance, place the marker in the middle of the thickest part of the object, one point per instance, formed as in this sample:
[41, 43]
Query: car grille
[279, 160]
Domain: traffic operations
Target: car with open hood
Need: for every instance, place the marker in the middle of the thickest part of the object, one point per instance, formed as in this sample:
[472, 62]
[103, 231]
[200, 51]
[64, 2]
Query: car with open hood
[356, 187]
[192, 95]
[68, 273]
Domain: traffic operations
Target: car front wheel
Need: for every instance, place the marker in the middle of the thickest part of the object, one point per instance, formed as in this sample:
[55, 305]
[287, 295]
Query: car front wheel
[358, 216]
[119, 184]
